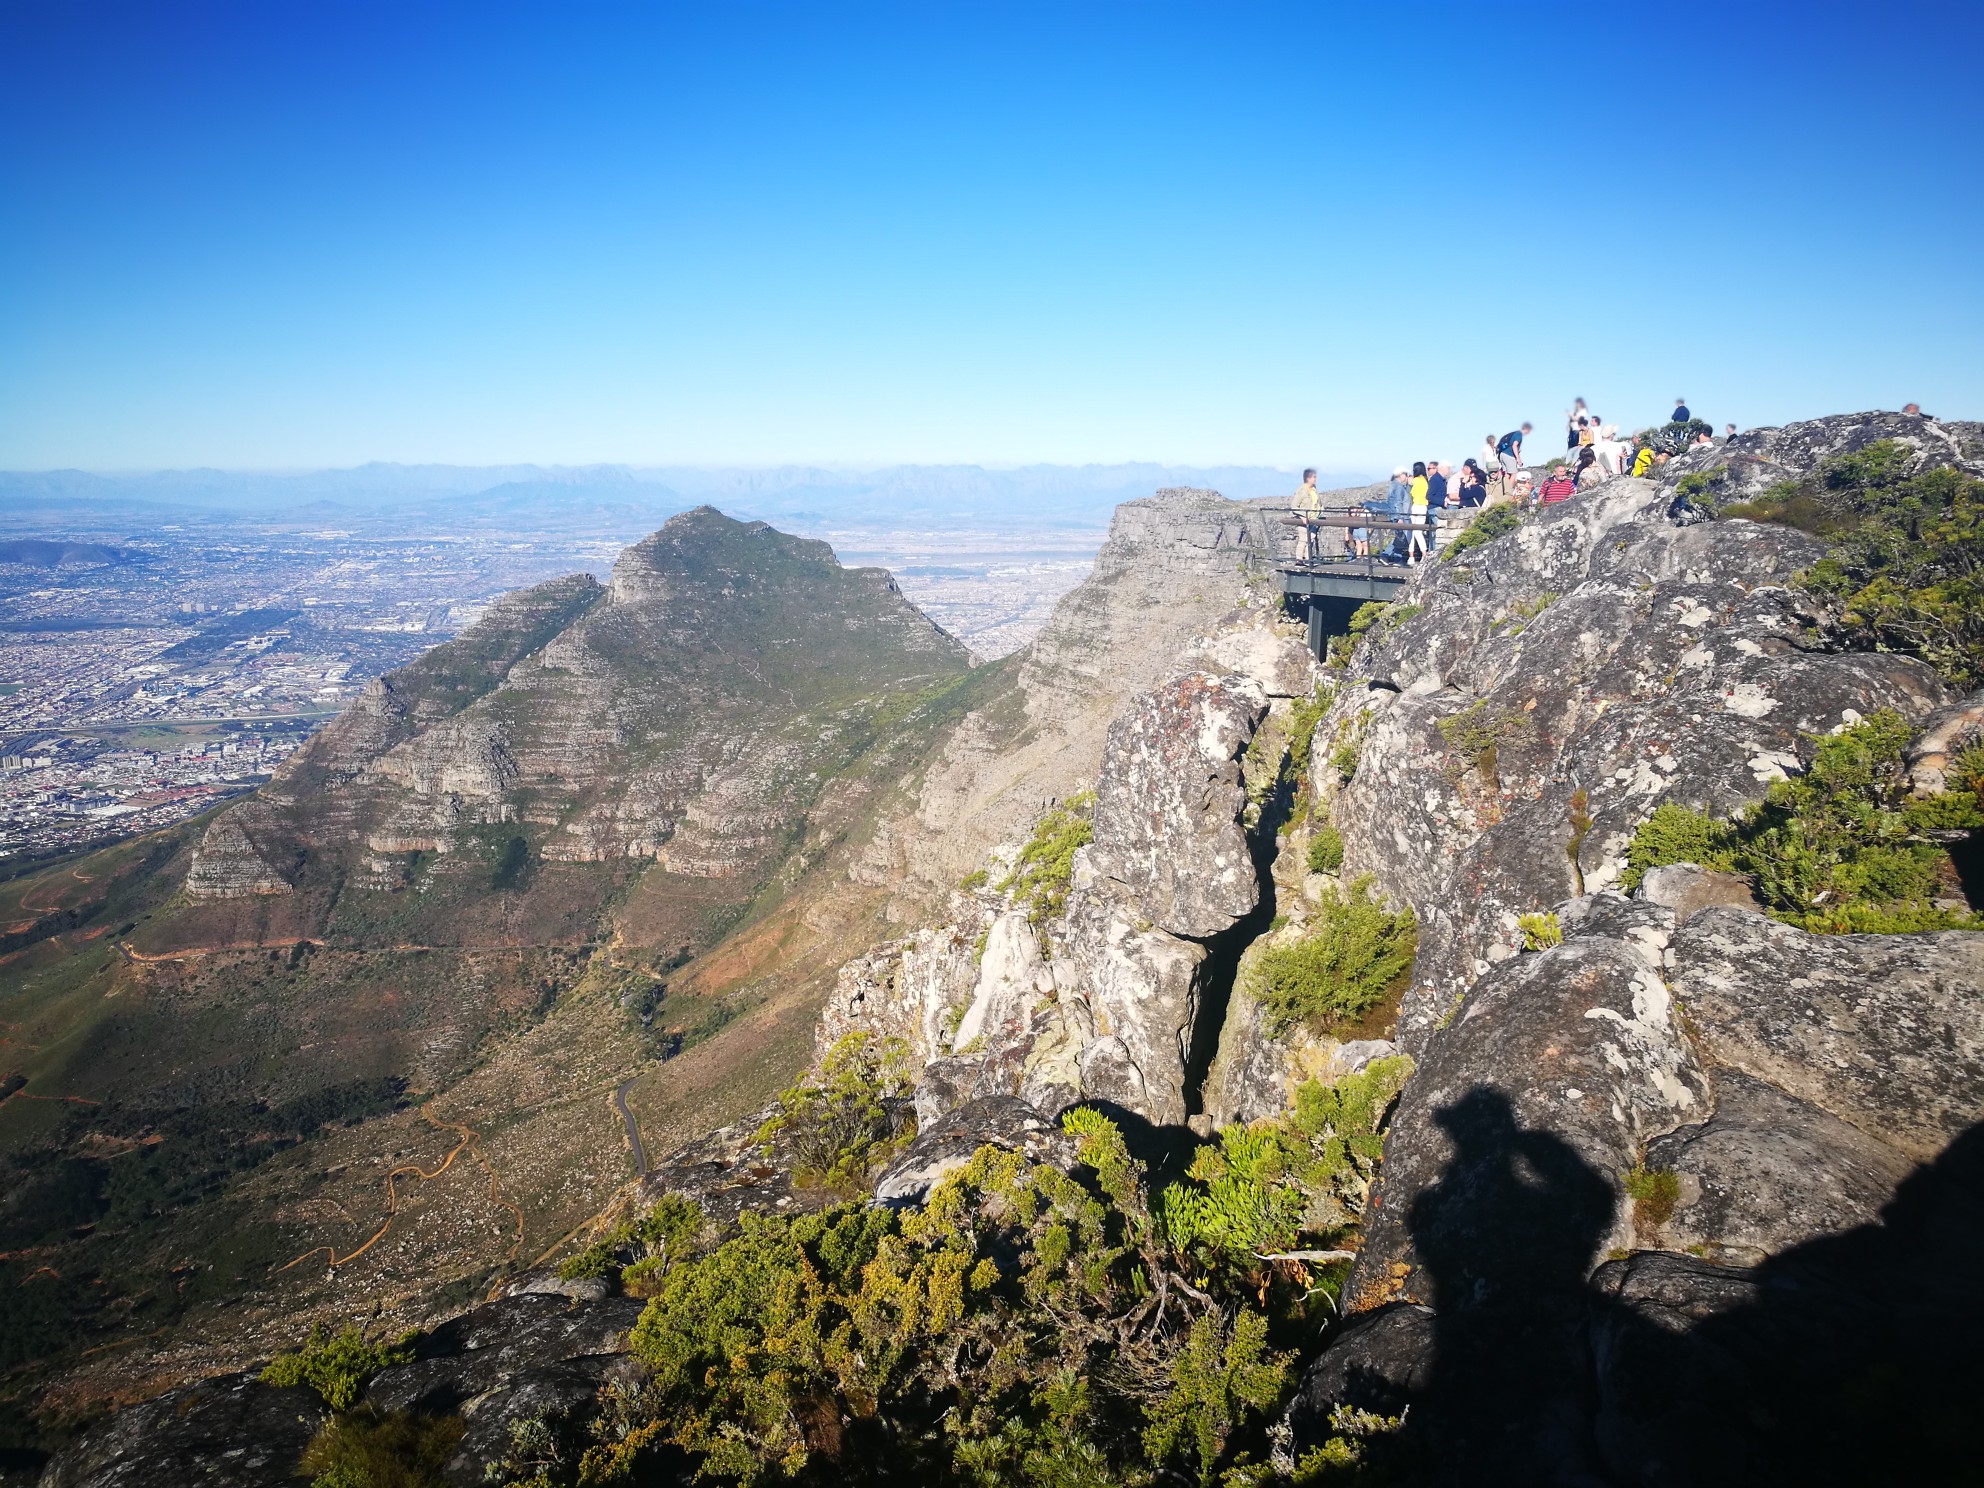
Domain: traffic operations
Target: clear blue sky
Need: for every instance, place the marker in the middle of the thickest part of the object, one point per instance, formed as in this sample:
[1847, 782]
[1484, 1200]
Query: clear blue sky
[291, 233]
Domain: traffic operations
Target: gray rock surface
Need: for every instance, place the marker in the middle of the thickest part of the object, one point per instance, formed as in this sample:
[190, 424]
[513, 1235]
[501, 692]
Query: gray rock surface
[1562, 1064]
[230, 1432]
[1600, 650]
[1886, 1032]
[1168, 801]
[1173, 564]
[1767, 1171]
[1001, 1121]
[1687, 888]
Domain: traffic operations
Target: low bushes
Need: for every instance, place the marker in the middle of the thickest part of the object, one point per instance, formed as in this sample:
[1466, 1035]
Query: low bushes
[1045, 867]
[1906, 564]
[337, 1365]
[1843, 848]
[1356, 953]
[852, 1114]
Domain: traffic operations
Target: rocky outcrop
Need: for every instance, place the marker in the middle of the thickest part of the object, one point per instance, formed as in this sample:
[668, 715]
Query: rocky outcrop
[1741, 1115]
[532, 1356]
[1595, 663]
[1168, 800]
[1106, 1003]
[231, 1432]
[1172, 566]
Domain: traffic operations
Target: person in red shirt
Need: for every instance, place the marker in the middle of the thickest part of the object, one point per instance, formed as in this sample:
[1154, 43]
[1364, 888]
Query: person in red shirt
[1560, 487]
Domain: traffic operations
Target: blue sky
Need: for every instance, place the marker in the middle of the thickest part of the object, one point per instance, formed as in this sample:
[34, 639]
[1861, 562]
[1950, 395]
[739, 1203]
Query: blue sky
[298, 234]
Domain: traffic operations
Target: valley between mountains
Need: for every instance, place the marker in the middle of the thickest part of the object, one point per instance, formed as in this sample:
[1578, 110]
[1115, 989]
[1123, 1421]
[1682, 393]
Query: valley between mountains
[1542, 1041]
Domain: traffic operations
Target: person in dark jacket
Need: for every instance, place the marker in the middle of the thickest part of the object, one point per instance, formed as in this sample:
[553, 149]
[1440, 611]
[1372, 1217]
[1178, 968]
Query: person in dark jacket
[1681, 414]
[1473, 484]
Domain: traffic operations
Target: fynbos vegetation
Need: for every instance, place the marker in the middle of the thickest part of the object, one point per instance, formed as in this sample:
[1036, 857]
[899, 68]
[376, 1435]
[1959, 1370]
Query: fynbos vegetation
[1844, 847]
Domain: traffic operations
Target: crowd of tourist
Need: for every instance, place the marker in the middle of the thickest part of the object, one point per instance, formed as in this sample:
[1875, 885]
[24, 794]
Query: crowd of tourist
[1429, 499]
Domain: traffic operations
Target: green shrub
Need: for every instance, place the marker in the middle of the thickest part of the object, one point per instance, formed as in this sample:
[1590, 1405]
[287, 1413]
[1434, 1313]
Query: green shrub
[1347, 747]
[1906, 559]
[1024, 1326]
[974, 880]
[1356, 953]
[337, 1365]
[841, 1121]
[1494, 522]
[1540, 931]
[1843, 848]
[1302, 721]
[1223, 1373]
[1674, 834]
[640, 1251]
[373, 1449]
[1325, 848]
[1046, 865]
[1366, 615]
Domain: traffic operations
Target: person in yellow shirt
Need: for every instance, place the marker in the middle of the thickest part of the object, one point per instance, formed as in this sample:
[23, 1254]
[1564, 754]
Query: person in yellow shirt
[1417, 548]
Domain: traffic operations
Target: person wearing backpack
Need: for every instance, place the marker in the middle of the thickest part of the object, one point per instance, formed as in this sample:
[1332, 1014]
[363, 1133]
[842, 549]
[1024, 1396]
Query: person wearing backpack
[1508, 451]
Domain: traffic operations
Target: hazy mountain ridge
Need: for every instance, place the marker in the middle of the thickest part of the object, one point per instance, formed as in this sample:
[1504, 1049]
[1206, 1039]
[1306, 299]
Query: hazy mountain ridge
[1078, 494]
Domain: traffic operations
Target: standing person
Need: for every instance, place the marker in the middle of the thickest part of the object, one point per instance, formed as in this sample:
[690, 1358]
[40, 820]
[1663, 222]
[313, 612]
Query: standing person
[1306, 507]
[1728, 431]
[1611, 453]
[1360, 537]
[1486, 459]
[1415, 546]
[1436, 484]
[1508, 451]
[1680, 414]
[1398, 506]
[1576, 412]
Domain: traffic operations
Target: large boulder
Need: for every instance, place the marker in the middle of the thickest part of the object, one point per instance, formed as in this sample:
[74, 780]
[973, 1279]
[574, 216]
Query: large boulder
[230, 1432]
[1168, 803]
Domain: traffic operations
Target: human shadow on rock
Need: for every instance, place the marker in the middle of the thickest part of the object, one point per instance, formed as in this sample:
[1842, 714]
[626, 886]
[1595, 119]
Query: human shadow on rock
[1855, 1358]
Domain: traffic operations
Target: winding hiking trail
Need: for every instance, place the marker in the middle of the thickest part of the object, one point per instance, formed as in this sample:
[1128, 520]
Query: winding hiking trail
[468, 1143]
[24, 904]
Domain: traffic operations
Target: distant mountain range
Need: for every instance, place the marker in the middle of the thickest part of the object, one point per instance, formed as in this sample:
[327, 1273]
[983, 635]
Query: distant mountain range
[622, 498]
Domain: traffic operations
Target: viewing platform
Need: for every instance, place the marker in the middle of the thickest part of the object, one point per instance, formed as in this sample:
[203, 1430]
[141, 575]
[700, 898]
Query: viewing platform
[1326, 589]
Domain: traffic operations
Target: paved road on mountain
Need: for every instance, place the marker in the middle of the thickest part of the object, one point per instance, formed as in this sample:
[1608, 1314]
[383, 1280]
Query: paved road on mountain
[633, 1131]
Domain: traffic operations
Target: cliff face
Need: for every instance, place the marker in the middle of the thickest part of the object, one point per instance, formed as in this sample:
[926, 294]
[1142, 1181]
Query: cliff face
[1170, 567]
